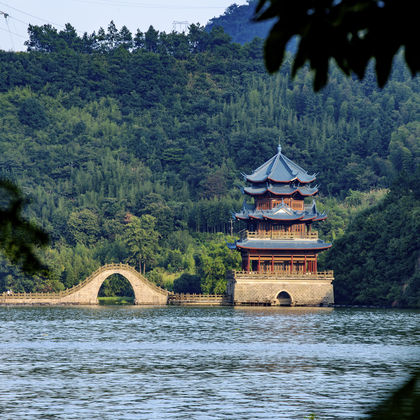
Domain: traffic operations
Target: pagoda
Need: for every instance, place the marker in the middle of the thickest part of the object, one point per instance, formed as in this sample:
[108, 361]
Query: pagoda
[279, 248]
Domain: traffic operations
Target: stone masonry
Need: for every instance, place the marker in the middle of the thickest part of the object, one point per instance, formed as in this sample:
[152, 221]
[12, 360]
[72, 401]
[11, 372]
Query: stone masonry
[264, 289]
[86, 293]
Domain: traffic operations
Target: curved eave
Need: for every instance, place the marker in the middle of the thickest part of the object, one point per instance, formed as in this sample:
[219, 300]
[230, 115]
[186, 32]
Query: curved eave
[286, 220]
[282, 181]
[278, 181]
[306, 181]
[318, 219]
[256, 217]
[254, 193]
[307, 194]
[308, 219]
[281, 193]
[242, 217]
[262, 191]
[296, 191]
[256, 181]
[286, 181]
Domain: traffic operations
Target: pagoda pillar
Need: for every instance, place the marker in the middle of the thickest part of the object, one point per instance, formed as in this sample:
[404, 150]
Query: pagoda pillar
[291, 264]
[304, 266]
[272, 263]
[248, 263]
[259, 263]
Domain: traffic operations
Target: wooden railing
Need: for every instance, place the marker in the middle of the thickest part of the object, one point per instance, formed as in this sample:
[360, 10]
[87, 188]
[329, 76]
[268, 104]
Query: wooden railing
[278, 235]
[286, 273]
[63, 293]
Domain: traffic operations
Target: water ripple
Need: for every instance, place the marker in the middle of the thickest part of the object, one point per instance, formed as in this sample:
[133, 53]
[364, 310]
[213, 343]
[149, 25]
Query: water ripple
[201, 363]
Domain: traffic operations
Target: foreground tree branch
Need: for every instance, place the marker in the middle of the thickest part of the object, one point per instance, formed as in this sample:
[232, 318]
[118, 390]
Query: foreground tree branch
[19, 238]
[349, 31]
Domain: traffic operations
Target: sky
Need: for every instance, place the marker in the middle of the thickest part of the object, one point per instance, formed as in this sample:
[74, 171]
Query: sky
[89, 15]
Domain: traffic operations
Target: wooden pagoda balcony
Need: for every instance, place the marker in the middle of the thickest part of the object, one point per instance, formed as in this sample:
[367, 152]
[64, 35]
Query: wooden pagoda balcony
[328, 274]
[246, 234]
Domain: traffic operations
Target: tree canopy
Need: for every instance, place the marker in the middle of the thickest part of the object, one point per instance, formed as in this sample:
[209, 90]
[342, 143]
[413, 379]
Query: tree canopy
[104, 127]
[19, 238]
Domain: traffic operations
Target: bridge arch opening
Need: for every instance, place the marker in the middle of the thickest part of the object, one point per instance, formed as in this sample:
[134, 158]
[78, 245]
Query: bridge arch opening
[116, 289]
[284, 299]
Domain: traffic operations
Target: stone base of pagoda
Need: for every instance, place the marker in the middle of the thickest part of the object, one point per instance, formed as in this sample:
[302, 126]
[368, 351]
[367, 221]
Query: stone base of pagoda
[281, 289]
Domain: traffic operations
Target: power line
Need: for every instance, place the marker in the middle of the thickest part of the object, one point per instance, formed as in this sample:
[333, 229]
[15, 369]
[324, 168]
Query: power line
[10, 34]
[14, 33]
[119, 3]
[18, 20]
[182, 25]
[28, 14]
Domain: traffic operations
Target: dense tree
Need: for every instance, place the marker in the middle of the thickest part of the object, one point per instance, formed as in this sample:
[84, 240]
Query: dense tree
[99, 133]
[141, 240]
[237, 22]
[18, 236]
[376, 261]
[187, 283]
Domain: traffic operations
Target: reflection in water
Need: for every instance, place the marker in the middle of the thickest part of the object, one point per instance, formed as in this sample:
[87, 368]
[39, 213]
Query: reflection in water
[174, 362]
[293, 310]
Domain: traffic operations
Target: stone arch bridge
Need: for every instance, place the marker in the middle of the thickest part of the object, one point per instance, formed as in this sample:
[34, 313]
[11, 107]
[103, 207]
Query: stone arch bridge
[86, 292]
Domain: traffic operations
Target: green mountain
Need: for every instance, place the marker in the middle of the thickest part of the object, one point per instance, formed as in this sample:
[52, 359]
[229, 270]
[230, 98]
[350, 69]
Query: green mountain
[109, 126]
[377, 261]
[237, 22]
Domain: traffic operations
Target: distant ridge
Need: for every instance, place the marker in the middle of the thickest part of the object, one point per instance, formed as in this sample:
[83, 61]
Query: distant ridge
[237, 22]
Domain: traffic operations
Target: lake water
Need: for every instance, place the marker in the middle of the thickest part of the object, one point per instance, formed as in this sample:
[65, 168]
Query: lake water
[201, 363]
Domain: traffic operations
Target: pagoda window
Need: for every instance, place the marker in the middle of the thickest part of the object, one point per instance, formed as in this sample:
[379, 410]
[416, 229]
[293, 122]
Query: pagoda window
[298, 205]
[263, 204]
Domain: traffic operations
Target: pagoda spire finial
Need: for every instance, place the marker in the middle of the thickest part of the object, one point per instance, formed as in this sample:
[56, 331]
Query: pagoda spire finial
[279, 148]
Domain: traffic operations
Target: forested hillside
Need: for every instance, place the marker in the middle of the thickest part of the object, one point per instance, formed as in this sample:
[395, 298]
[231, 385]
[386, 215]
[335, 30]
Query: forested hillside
[156, 128]
[377, 262]
[237, 22]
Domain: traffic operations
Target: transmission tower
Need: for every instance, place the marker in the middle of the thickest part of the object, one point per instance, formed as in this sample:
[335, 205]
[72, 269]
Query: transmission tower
[180, 26]
[6, 16]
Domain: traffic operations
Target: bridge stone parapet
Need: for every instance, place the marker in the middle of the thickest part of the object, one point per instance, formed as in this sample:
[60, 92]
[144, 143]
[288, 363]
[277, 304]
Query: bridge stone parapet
[86, 292]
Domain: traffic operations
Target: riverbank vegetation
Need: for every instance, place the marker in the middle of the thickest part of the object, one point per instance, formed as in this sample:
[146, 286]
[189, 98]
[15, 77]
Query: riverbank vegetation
[131, 147]
[377, 261]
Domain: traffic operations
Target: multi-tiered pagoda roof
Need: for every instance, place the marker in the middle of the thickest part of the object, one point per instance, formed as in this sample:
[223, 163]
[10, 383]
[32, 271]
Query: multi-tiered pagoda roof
[281, 212]
[280, 169]
[279, 249]
[280, 190]
[280, 179]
